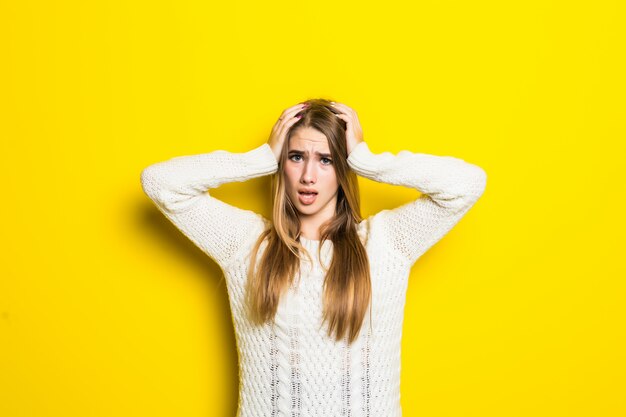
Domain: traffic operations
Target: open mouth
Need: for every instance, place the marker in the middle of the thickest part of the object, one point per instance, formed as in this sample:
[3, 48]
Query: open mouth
[307, 197]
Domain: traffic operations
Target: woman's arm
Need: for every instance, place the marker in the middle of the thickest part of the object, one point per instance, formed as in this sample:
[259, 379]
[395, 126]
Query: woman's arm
[179, 187]
[449, 187]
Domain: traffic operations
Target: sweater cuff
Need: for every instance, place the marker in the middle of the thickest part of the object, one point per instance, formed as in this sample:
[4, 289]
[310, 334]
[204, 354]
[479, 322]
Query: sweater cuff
[362, 160]
[263, 159]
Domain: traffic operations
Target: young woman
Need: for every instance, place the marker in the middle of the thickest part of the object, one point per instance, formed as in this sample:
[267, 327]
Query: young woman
[300, 286]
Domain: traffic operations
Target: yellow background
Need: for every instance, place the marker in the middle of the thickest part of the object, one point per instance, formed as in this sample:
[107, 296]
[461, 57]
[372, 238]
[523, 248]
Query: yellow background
[107, 310]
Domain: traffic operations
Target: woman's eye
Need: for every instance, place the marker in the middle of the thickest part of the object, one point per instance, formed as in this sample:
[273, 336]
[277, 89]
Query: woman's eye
[294, 156]
[329, 161]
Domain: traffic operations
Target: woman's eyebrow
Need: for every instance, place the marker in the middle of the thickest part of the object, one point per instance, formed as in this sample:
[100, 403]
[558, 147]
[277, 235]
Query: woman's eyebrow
[299, 152]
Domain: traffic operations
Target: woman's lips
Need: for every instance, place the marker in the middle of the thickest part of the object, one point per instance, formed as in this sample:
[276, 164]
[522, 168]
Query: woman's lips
[307, 199]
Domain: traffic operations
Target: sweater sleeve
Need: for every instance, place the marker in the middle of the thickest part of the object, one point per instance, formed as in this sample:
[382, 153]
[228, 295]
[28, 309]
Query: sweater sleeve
[178, 187]
[449, 188]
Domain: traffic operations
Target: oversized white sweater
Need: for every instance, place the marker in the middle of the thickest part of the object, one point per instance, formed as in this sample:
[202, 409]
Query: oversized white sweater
[291, 367]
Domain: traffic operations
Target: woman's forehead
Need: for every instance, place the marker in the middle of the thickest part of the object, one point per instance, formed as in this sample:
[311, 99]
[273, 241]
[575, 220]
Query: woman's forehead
[309, 144]
[308, 137]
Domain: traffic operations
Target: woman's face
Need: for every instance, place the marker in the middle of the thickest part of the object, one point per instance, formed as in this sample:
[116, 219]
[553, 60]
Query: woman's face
[309, 167]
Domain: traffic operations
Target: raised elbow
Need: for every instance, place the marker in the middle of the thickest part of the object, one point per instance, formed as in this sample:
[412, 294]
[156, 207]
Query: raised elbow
[151, 181]
[476, 184]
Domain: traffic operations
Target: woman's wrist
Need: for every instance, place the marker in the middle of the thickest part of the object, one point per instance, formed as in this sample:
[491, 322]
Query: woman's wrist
[351, 148]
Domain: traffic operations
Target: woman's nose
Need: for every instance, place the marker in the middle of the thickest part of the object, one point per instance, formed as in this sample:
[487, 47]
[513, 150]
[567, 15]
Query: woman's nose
[308, 172]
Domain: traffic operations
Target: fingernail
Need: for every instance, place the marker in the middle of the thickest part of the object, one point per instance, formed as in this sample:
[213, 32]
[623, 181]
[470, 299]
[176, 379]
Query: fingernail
[299, 116]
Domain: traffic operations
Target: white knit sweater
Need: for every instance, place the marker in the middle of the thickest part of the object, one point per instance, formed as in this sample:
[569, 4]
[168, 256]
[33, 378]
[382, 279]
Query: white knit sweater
[291, 367]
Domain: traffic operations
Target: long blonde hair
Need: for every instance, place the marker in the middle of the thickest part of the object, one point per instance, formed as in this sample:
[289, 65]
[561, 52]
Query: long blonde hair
[347, 284]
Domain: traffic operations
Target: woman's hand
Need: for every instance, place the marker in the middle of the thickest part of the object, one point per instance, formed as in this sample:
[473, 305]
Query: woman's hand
[354, 133]
[280, 129]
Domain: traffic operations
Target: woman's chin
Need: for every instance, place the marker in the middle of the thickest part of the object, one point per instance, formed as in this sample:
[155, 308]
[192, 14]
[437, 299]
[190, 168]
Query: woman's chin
[306, 210]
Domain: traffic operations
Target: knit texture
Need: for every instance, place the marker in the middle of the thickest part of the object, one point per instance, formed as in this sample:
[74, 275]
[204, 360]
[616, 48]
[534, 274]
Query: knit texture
[291, 367]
